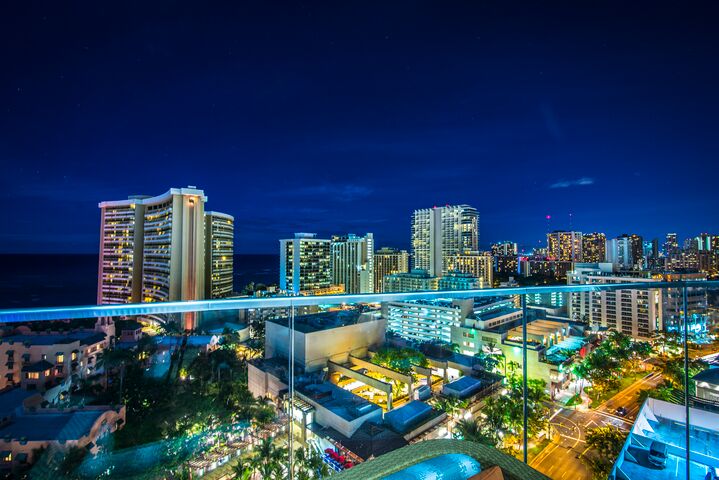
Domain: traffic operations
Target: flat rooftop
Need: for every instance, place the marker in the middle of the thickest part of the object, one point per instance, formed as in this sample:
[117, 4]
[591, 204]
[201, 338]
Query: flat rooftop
[499, 312]
[342, 403]
[318, 322]
[665, 422]
[61, 426]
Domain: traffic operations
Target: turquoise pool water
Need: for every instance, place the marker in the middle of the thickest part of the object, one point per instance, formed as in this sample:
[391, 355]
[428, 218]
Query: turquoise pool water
[451, 466]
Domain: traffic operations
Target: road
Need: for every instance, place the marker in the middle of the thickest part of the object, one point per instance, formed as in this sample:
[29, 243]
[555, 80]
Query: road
[560, 460]
[628, 398]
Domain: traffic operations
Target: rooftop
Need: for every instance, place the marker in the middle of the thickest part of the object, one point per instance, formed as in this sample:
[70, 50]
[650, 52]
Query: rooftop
[60, 426]
[710, 375]
[337, 400]
[12, 398]
[317, 322]
[40, 366]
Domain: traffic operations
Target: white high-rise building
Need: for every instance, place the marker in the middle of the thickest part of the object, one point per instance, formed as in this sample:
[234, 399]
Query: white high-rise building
[352, 262]
[626, 252]
[635, 312]
[152, 249]
[440, 232]
[305, 264]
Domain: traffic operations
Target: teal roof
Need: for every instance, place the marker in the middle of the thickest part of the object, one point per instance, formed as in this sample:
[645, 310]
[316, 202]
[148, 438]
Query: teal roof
[61, 426]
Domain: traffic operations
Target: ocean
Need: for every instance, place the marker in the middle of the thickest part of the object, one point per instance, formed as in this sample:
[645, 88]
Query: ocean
[28, 281]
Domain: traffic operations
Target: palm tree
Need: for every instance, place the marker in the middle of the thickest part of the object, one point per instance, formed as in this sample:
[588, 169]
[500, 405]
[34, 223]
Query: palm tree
[471, 430]
[242, 470]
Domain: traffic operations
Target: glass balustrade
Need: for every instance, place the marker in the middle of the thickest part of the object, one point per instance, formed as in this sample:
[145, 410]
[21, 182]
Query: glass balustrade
[580, 381]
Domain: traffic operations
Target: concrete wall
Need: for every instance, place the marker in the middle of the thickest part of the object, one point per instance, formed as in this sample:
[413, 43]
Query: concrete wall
[312, 350]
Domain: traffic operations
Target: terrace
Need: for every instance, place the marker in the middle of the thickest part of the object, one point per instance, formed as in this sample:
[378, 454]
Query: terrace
[353, 414]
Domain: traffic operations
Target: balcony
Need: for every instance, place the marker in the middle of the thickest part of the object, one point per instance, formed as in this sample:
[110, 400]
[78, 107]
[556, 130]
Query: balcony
[554, 372]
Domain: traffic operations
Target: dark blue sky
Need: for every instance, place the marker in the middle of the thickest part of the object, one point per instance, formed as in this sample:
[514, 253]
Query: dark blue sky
[345, 116]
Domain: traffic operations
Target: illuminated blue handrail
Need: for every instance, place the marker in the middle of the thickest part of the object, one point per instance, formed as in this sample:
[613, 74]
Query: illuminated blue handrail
[95, 311]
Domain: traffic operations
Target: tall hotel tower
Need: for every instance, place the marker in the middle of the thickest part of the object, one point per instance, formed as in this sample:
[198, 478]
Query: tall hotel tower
[440, 232]
[152, 249]
[305, 264]
[219, 254]
[565, 246]
[353, 263]
[388, 261]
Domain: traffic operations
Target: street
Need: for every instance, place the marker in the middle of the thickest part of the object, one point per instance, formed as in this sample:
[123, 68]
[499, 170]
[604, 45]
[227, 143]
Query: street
[628, 399]
[561, 460]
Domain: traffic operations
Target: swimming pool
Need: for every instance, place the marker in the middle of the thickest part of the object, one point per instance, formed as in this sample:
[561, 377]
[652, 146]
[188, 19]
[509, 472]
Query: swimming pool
[451, 466]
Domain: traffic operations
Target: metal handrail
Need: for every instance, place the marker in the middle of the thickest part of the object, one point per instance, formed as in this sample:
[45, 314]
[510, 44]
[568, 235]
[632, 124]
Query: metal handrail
[95, 311]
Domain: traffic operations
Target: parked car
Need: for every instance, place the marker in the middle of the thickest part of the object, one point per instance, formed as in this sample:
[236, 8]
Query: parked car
[712, 474]
[658, 454]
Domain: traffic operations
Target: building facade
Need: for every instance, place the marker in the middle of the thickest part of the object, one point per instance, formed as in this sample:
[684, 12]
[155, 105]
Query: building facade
[594, 247]
[219, 254]
[480, 266]
[626, 252]
[152, 249]
[415, 281]
[305, 264]
[388, 261]
[440, 232]
[565, 246]
[504, 248]
[636, 312]
[352, 263]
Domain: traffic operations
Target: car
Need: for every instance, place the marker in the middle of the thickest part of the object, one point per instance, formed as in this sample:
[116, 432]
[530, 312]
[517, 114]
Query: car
[621, 411]
[658, 454]
[712, 474]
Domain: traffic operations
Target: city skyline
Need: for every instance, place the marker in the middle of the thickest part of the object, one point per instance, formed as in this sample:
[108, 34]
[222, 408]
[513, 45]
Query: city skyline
[519, 112]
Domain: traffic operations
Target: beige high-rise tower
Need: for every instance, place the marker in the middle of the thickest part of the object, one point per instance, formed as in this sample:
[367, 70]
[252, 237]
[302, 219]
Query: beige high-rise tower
[152, 249]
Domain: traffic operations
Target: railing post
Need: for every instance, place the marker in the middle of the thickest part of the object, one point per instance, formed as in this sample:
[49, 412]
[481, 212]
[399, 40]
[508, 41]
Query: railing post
[685, 320]
[291, 391]
[525, 407]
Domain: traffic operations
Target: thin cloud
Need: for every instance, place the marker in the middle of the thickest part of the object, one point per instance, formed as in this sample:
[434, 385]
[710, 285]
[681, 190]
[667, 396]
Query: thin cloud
[580, 182]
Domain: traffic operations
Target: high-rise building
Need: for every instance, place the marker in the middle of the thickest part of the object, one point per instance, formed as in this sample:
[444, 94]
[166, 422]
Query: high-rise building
[565, 246]
[704, 242]
[152, 249]
[219, 254]
[506, 265]
[626, 252]
[352, 262]
[440, 232]
[594, 247]
[636, 312]
[478, 265]
[388, 261]
[671, 245]
[504, 248]
[305, 265]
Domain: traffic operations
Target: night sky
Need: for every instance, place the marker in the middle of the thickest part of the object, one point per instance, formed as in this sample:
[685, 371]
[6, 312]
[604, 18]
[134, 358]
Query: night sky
[342, 117]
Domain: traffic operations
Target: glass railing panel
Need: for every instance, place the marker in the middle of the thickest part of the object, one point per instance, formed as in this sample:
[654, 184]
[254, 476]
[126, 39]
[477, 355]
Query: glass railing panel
[701, 438]
[138, 396]
[315, 386]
